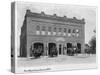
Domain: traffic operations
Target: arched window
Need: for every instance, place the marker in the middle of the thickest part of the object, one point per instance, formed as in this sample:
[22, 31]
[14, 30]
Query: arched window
[55, 29]
[65, 30]
[60, 29]
[49, 29]
[59, 33]
[74, 31]
[69, 30]
[43, 28]
[38, 28]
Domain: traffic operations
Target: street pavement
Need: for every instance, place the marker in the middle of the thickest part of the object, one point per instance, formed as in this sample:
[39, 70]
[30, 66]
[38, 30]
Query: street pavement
[60, 60]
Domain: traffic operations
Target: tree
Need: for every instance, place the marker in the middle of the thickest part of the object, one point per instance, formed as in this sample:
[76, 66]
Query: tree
[93, 45]
[87, 48]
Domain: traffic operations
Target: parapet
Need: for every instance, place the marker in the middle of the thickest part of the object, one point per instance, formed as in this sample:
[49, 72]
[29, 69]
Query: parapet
[54, 17]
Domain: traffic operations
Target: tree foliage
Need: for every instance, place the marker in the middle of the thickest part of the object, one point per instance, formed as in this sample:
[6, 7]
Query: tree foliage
[93, 45]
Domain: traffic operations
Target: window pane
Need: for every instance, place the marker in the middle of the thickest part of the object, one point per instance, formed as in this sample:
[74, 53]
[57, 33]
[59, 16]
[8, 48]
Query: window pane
[73, 30]
[69, 31]
[65, 29]
[60, 29]
[38, 28]
[49, 29]
[55, 29]
[43, 28]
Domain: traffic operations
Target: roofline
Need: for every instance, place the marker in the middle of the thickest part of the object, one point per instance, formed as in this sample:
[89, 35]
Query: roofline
[54, 17]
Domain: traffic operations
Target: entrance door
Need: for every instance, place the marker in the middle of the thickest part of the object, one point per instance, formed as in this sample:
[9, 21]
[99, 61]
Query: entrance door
[78, 48]
[69, 48]
[60, 49]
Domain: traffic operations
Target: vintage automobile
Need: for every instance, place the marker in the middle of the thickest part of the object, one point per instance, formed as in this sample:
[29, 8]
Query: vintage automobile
[70, 51]
[37, 52]
[73, 50]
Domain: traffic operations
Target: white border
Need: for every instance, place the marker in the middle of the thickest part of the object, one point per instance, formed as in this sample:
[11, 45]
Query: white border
[53, 67]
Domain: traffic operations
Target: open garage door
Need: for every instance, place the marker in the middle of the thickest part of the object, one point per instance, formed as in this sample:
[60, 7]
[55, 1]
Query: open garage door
[38, 49]
[78, 48]
[52, 50]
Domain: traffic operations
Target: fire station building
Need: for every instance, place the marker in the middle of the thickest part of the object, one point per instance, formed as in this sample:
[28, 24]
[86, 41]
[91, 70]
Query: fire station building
[47, 30]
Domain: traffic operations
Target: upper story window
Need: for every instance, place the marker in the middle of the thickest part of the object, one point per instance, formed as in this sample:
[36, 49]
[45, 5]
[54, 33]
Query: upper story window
[65, 30]
[38, 28]
[74, 31]
[69, 30]
[60, 29]
[49, 29]
[43, 28]
[77, 30]
[55, 29]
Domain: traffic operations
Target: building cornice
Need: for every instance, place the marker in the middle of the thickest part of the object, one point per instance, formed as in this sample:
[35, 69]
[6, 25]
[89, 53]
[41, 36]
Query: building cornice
[54, 17]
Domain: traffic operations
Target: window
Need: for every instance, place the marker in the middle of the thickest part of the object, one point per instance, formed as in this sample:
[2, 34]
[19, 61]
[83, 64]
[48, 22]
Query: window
[55, 29]
[69, 31]
[49, 29]
[59, 33]
[73, 30]
[38, 28]
[43, 28]
[60, 29]
[65, 30]
[77, 32]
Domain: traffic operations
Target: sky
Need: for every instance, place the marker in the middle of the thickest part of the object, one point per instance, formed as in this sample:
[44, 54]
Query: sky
[86, 12]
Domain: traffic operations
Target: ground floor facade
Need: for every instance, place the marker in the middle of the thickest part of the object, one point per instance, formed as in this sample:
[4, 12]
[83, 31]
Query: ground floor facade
[53, 46]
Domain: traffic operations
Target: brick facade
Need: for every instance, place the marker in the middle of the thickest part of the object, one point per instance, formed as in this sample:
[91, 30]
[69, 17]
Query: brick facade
[45, 29]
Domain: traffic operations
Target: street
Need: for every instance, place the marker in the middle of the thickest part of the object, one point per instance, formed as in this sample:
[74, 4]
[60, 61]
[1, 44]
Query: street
[61, 59]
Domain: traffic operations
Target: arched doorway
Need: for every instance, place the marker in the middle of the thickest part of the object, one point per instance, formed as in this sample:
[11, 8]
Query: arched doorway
[69, 49]
[37, 49]
[69, 45]
[78, 48]
[38, 45]
[52, 49]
